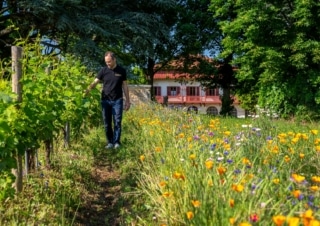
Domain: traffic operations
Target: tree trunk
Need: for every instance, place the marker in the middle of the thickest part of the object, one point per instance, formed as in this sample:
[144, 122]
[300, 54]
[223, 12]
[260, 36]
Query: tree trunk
[31, 159]
[48, 150]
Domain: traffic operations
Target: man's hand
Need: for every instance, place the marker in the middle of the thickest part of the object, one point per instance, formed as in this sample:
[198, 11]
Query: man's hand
[127, 105]
[85, 93]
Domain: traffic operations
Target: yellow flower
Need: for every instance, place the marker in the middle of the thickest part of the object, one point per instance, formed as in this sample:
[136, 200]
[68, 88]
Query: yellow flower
[294, 140]
[308, 215]
[163, 184]
[181, 135]
[304, 136]
[192, 156]
[286, 158]
[301, 155]
[142, 157]
[276, 181]
[237, 187]
[314, 131]
[226, 133]
[158, 149]
[189, 139]
[296, 193]
[315, 179]
[244, 224]
[291, 150]
[317, 141]
[209, 164]
[314, 223]
[227, 147]
[210, 183]
[314, 188]
[221, 170]
[246, 161]
[297, 178]
[279, 220]
[275, 150]
[318, 148]
[190, 215]
[167, 194]
[282, 136]
[178, 175]
[232, 220]
[293, 221]
[231, 202]
[196, 203]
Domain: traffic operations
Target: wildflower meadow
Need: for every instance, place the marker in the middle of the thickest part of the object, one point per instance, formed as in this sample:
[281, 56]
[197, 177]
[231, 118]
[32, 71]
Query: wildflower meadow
[203, 170]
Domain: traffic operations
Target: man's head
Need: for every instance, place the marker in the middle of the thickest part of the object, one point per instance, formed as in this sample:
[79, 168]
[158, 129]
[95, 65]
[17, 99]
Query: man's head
[110, 59]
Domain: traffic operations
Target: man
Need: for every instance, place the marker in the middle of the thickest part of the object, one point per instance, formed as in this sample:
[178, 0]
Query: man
[114, 81]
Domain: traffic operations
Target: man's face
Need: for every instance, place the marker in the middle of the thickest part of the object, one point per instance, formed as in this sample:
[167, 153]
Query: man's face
[111, 63]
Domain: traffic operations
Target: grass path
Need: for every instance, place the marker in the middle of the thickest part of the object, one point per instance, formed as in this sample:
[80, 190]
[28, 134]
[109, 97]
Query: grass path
[107, 196]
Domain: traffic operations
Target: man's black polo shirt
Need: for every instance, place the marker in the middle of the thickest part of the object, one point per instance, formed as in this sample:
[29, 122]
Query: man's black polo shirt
[112, 82]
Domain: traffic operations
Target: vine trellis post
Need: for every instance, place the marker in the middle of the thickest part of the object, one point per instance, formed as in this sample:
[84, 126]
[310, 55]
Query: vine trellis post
[16, 54]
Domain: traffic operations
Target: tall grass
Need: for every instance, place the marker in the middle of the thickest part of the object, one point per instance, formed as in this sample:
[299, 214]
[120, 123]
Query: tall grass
[199, 170]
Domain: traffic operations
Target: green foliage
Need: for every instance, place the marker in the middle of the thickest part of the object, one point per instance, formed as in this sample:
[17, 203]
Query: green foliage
[52, 96]
[276, 47]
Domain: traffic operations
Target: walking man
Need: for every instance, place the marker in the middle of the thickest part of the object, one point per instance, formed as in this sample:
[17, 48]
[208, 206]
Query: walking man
[114, 80]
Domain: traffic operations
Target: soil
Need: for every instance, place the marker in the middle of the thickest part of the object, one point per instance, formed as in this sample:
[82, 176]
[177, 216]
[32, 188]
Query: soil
[101, 203]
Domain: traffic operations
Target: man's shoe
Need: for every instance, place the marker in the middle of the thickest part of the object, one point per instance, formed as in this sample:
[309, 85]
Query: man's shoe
[109, 146]
[116, 145]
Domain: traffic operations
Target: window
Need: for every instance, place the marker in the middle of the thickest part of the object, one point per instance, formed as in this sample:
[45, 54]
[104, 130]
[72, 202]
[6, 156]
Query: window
[212, 92]
[173, 91]
[157, 90]
[193, 91]
[212, 111]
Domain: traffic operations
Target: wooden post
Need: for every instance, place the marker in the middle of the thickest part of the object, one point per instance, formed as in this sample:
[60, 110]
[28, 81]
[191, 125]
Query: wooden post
[16, 54]
[67, 135]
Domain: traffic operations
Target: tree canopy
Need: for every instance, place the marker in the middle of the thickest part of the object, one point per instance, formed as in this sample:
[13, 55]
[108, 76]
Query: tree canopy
[83, 28]
[277, 49]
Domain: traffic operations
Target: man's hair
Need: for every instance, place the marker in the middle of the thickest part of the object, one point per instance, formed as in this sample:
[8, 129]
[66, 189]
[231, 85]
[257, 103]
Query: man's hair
[110, 53]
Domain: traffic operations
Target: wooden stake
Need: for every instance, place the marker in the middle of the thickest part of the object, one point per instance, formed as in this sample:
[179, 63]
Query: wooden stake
[16, 54]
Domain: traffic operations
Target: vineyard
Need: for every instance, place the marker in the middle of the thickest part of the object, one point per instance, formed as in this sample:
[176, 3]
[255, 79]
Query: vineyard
[49, 106]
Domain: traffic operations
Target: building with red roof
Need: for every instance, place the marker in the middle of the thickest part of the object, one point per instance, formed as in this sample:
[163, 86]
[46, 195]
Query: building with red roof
[179, 90]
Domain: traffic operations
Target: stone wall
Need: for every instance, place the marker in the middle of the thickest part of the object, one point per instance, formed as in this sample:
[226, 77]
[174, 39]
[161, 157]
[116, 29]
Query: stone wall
[139, 94]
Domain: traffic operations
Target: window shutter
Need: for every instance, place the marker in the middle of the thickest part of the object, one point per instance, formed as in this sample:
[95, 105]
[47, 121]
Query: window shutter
[188, 91]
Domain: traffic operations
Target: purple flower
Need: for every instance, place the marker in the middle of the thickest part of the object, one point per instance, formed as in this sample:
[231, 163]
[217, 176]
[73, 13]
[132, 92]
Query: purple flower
[229, 161]
[196, 137]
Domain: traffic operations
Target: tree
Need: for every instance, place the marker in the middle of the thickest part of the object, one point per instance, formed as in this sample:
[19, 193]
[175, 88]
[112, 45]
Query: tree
[199, 34]
[83, 28]
[276, 44]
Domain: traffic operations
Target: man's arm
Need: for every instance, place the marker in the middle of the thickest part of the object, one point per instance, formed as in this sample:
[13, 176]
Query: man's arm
[91, 86]
[126, 94]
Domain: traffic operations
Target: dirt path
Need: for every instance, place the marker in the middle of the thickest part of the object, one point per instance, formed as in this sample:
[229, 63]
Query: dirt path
[101, 205]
